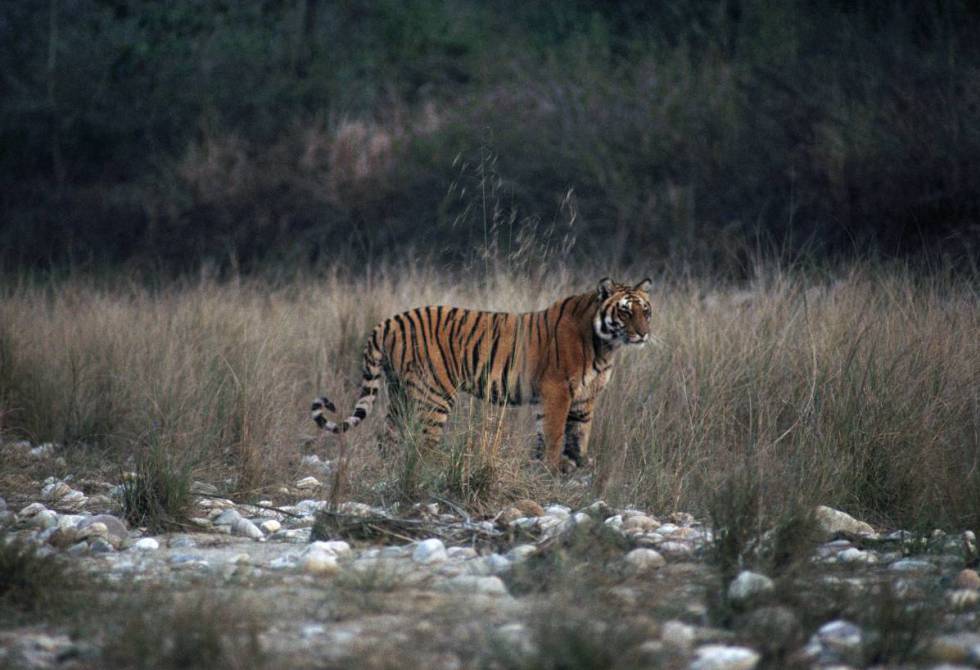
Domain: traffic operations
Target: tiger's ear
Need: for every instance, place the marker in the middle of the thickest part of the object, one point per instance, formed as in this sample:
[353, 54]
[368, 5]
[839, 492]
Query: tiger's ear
[605, 288]
[644, 285]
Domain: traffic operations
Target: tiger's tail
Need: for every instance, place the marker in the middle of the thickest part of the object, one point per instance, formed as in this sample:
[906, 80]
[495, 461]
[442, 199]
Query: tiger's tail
[370, 384]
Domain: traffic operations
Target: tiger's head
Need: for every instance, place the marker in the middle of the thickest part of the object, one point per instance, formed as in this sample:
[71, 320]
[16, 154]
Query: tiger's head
[624, 312]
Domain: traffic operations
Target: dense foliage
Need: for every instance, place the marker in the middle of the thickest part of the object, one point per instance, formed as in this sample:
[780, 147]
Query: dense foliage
[249, 134]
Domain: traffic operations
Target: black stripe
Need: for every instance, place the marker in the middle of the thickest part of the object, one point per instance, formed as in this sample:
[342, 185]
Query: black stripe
[360, 413]
[404, 338]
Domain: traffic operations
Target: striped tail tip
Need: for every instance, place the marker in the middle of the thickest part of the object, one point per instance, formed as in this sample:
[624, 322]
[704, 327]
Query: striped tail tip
[320, 406]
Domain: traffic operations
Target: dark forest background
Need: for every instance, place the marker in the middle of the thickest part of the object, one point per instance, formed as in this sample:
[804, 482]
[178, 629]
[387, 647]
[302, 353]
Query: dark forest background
[248, 135]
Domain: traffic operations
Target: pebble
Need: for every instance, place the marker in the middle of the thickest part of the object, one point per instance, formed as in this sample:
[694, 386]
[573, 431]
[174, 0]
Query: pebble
[319, 562]
[677, 634]
[678, 550]
[461, 553]
[335, 548]
[100, 546]
[837, 641]
[270, 526]
[116, 527]
[429, 551]
[310, 507]
[45, 519]
[491, 564]
[521, 552]
[912, 565]
[967, 579]
[92, 530]
[748, 586]
[31, 510]
[640, 524]
[227, 517]
[722, 657]
[857, 556]
[146, 544]
[485, 585]
[292, 535]
[559, 511]
[246, 528]
[644, 560]
[307, 483]
[204, 487]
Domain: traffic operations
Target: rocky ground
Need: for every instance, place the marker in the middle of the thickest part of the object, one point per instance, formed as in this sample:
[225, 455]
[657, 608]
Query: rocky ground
[535, 585]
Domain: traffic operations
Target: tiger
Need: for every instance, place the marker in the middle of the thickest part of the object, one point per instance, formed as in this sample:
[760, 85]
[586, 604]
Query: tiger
[558, 359]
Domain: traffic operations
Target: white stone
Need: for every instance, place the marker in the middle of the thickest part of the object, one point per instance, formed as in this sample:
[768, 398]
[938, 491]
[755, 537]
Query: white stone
[335, 548]
[320, 563]
[146, 544]
[912, 565]
[559, 511]
[484, 585]
[643, 560]
[45, 519]
[748, 585]
[270, 526]
[31, 510]
[310, 507]
[681, 550]
[842, 639]
[615, 522]
[354, 508]
[55, 490]
[307, 483]
[42, 451]
[461, 553]
[833, 521]
[75, 500]
[429, 551]
[93, 531]
[640, 524]
[227, 517]
[246, 528]
[677, 634]
[521, 552]
[854, 555]
[281, 562]
[723, 657]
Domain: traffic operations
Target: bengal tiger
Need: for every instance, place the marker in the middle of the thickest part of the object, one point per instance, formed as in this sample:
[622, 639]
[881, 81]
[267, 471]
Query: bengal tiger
[559, 358]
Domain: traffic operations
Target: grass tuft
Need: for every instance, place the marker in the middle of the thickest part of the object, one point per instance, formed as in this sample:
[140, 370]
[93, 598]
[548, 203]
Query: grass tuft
[158, 494]
[185, 631]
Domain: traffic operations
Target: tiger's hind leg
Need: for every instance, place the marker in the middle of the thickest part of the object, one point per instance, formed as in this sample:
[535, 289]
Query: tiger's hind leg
[417, 412]
[430, 410]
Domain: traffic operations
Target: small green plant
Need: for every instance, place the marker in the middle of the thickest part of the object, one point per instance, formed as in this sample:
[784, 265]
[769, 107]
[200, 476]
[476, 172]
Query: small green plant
[158, 494]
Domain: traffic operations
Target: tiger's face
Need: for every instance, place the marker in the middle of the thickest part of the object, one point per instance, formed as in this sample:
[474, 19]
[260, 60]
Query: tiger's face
[624, 312]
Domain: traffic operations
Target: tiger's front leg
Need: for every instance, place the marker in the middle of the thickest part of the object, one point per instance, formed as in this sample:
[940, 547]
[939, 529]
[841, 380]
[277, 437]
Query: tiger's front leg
[555, 403]
[578, 426]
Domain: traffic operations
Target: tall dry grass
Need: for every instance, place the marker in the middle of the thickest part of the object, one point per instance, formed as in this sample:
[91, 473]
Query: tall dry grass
[859, 391]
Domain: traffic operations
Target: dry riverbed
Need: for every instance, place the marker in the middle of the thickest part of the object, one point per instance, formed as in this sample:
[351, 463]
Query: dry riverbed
[296, 584]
